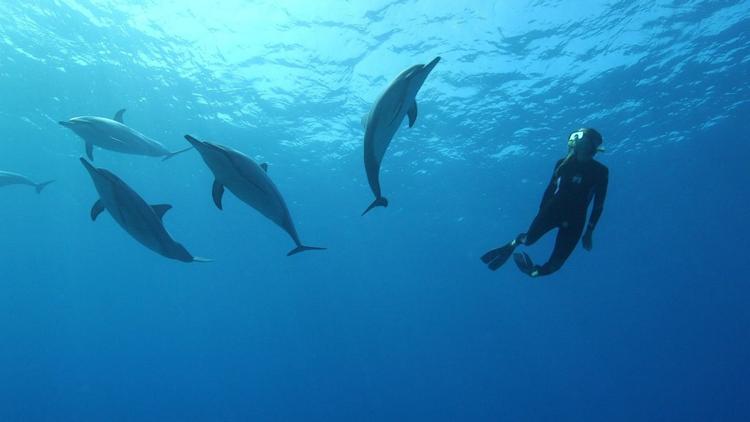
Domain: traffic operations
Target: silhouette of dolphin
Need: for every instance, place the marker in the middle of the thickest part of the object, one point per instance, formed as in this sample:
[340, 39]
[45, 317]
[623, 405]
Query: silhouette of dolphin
[7, 178]
[112, 134]
[396, 102]
[142, 221]
[250, 183]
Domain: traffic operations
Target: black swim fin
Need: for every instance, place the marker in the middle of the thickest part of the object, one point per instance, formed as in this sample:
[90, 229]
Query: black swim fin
[497, 257]
[525, 264]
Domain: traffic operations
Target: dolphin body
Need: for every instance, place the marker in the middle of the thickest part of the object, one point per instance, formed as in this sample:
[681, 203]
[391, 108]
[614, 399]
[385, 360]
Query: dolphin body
[142, 221]
[384, 119]
[7, 178]
[112, 134]
[250, 183]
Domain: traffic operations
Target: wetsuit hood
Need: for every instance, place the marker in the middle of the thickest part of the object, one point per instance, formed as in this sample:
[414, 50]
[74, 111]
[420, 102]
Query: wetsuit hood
[586, 136]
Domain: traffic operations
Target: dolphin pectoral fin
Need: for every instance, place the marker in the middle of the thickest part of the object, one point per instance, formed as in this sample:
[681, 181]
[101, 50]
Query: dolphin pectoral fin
[97, 209]
[172, 154]
[161, 209]
[90, 150]
[264, 166]
[302, 248]
[217, 192]
[378, 202]
[412, 113]
[118, 116]
[364, 120]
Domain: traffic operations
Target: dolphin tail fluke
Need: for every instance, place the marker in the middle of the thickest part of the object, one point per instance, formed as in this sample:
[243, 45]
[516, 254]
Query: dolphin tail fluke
[172, 154]
[378, 202]
[302, 248]
[40, 186]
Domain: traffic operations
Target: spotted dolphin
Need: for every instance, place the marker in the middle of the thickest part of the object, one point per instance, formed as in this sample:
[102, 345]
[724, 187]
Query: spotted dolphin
[7, 178]
[114, 135]
[250, 183]
[384, 119]
[142, 221]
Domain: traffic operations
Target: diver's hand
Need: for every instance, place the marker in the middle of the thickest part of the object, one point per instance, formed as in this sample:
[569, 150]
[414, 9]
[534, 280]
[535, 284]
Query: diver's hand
[587, 242]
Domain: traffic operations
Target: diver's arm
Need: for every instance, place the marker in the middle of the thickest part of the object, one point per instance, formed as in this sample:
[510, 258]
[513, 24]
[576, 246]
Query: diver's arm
[552, 187]
[600, 194]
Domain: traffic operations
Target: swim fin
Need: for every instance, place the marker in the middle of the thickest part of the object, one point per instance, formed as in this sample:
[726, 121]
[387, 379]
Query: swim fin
[497, 257]
[525, 264]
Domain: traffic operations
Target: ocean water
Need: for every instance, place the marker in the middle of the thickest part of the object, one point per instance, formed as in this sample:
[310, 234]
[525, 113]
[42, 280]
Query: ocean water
[398, 320]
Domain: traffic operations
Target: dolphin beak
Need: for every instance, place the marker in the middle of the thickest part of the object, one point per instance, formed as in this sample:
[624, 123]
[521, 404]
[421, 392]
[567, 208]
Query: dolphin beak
[194, 142]
[88, 166]
[66, 124]
[429, 66]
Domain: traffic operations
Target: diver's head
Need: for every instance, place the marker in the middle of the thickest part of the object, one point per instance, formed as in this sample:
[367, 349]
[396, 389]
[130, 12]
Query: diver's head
[585, 143]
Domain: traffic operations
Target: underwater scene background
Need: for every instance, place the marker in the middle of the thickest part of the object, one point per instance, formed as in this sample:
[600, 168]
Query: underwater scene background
[398, 319]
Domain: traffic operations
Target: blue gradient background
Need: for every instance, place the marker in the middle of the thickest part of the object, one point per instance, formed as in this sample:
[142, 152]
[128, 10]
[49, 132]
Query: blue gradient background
[398, 320]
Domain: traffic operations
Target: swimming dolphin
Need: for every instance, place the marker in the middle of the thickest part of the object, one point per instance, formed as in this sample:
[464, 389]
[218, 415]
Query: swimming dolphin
[112, 134]
[384, 119]
[142, 221]
[7, 178]
[250, 183]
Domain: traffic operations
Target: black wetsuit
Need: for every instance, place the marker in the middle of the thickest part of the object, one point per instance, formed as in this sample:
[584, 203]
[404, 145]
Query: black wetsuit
[574, 184]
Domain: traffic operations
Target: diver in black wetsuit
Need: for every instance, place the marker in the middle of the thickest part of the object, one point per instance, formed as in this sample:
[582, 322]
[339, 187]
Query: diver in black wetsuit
[576, 180]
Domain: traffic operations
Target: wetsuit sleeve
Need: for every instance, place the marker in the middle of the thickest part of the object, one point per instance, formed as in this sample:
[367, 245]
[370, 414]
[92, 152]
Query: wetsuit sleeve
[550, 191]
[600, 193]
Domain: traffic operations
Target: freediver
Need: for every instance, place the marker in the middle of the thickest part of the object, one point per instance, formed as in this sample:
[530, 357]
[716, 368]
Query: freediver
[576, 180]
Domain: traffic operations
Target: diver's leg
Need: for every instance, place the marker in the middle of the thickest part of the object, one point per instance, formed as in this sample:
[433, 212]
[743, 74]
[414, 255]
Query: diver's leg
[565, 243]
[543, 223]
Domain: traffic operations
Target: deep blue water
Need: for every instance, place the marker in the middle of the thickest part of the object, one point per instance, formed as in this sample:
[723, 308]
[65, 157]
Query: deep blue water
[398, 320]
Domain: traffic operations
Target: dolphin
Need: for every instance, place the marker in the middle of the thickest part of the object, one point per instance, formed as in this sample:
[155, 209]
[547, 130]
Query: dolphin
[384, 119]
[7, 178]
[112, 134]
[142, 221]
[250, 183]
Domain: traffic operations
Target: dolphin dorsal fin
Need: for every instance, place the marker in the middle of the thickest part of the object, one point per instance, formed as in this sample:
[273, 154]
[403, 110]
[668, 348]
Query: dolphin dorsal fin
[264, 166]
[161, 209]
[118, 115]
[412, 113]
